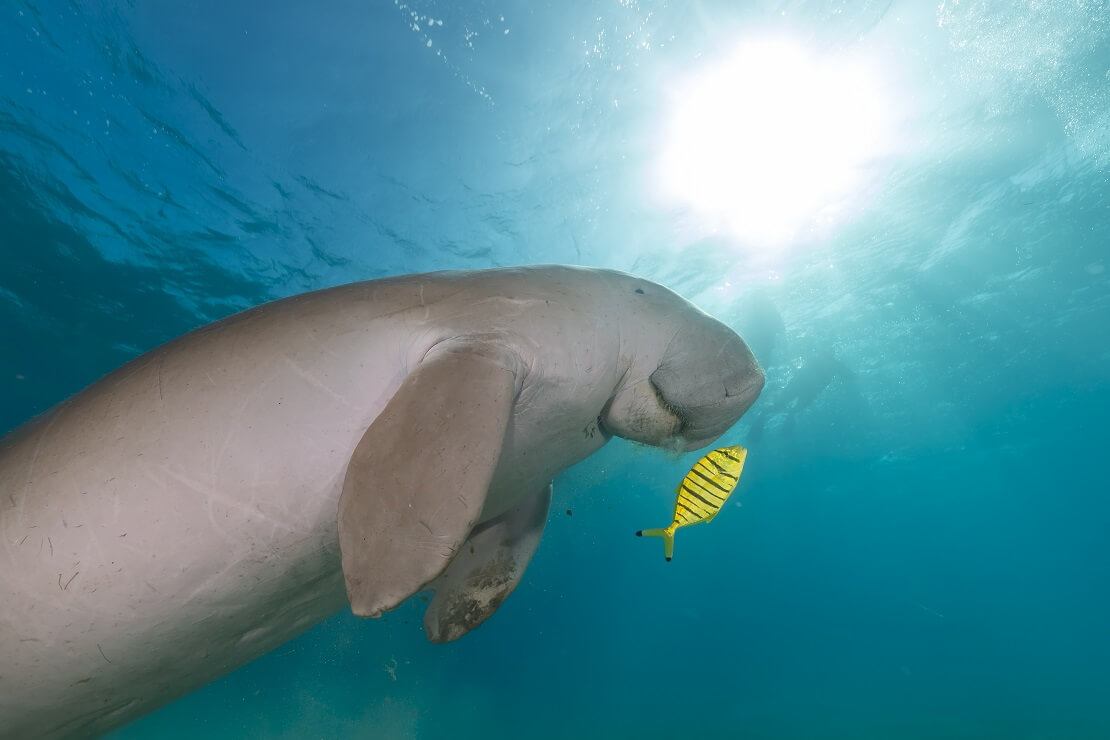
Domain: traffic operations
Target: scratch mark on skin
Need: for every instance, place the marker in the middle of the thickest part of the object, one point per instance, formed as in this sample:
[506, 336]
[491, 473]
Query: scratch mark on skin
[427, 310]
[42, 438]
[51, 546]
[102, 655]
[70, 579]
[214, 497]
[24, 539]
[315, 383]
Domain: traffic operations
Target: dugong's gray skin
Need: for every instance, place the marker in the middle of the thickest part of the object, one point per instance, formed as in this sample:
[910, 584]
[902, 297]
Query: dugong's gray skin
[225, 492]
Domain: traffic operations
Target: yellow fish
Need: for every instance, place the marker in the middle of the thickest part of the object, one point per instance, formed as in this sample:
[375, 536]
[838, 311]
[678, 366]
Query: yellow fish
[702, 493]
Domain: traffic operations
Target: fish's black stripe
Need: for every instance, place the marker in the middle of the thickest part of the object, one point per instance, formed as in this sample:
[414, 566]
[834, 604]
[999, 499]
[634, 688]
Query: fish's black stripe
[695, 485]
[724, 472]
[707, 479]
[698, 515]
[708, 474]
[688, 510]
[700, 491]
[727, 458]
[681, 511]
[689, 504]
[693, 494]
[710, 506]
[709, 459]
[727, 463]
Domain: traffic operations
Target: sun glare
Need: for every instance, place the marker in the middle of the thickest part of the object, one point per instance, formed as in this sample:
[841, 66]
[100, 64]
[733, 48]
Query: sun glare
[771, 142]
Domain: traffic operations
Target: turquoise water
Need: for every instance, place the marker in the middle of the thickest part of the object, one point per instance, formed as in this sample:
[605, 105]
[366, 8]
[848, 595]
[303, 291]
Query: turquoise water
[921, 550]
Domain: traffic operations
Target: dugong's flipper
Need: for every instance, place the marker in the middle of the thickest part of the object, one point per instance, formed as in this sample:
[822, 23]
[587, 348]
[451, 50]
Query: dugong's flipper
[486, 570]
[417, 481]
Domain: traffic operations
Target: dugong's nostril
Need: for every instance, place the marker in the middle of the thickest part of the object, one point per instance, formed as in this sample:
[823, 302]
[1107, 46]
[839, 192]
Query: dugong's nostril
[754, 381]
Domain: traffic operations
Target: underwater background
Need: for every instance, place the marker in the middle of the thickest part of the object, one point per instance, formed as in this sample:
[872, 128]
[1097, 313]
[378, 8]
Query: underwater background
[918, 256]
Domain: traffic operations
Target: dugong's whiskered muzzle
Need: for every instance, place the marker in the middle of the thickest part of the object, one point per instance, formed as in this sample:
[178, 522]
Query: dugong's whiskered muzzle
[708, 398]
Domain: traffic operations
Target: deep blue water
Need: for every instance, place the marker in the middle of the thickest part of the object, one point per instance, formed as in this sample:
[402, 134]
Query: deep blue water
[923, 549]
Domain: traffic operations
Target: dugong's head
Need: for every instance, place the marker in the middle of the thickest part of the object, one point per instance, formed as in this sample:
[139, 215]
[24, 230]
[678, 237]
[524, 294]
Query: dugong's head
[690, 377]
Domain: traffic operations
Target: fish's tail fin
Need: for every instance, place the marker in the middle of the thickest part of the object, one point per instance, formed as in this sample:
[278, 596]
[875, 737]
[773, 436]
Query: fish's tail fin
[668, 539]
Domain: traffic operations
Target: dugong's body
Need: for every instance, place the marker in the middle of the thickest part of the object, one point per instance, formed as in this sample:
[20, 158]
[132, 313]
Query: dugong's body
[223, 493]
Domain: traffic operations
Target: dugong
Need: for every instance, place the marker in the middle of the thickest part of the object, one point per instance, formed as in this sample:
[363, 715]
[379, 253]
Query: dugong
[221, 494]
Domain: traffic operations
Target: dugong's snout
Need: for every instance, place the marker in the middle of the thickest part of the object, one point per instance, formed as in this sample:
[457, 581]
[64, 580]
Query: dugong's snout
[706, 379]
[709, 378]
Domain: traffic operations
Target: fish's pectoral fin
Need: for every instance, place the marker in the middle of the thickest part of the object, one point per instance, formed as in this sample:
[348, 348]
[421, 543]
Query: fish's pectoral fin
[417, 480]
[487, 569]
